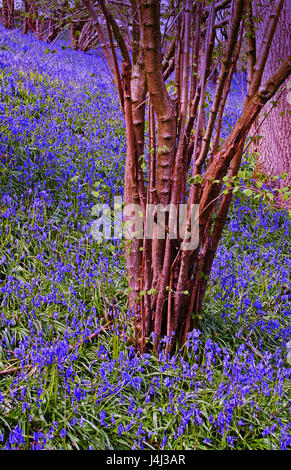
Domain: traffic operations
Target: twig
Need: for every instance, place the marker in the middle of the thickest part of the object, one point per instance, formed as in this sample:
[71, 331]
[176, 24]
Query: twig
[255, 351]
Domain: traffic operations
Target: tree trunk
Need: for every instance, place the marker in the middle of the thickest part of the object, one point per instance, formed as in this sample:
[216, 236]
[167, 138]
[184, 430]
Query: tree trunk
[30, 18]
[86, 37]
[73, 36]
[274, 147]
[40, 27]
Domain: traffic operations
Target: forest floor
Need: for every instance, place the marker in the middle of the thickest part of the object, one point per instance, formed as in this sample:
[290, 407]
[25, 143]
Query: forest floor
[69, 377]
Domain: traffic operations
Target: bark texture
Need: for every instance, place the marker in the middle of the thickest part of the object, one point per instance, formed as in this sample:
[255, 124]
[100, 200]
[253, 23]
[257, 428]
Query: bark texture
[274, 147]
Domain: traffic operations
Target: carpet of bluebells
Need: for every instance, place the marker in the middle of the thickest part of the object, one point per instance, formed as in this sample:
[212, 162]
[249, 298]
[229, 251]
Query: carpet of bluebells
[69, 377]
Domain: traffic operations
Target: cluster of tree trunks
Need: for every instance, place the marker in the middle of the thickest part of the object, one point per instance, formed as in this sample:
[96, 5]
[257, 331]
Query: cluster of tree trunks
[167, 282]
[46, 25]
[49, 19]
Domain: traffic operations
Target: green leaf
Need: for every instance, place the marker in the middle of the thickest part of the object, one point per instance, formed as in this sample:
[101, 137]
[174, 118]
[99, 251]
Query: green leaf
[75, 178]
[152, 291]
[197, 179]
[248, 192]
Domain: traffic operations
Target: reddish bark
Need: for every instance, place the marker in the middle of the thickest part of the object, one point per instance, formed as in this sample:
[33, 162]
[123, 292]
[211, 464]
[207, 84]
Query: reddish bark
[173, 281]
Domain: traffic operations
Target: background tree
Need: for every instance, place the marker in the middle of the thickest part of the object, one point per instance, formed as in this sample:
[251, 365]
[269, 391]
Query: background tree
[8, 13]
[274, 145]
[168, 284]
[48, 20]
[33, 19]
